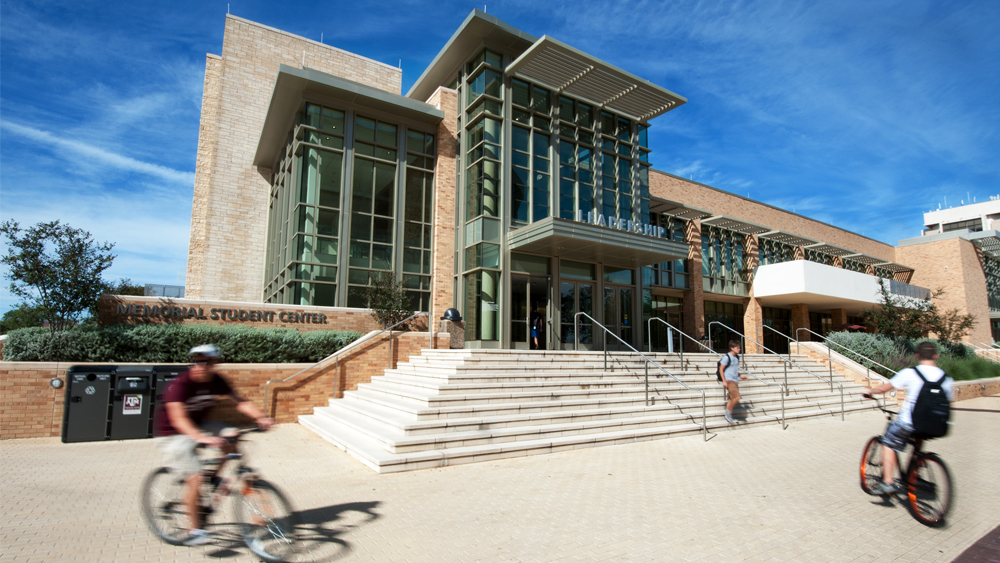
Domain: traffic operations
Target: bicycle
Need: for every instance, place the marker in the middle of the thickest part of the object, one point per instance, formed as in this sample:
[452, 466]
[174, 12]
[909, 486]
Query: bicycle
[267, 523]
[927, 484]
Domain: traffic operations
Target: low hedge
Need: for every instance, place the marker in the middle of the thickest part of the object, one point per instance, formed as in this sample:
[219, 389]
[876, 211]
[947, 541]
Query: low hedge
[170, 344]
[960, 362]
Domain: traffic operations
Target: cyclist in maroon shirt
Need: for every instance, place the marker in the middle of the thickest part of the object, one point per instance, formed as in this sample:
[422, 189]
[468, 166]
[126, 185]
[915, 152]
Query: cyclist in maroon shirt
[181, 428]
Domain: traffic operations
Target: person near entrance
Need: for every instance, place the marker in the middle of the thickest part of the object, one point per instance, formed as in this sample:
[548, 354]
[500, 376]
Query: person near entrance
[911, 380]
[180, 428]
[729, 373]
[535, 322]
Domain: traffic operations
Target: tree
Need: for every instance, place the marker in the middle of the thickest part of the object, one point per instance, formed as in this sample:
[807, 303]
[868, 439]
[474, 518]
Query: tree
[56, 268]
[387, 299]
[915, 318]
[123, 286]
[23, 316]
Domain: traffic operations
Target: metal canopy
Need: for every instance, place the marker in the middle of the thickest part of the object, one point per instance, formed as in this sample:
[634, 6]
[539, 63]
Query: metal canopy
[573, 240]
[831, 249]
[865, 259]
[893, 267]
[787, 238]
[737, 225]
[990, 242]
[678, 210]
[575, 73]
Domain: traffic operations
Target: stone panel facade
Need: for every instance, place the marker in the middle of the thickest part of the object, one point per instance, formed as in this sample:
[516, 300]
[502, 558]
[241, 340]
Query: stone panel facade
[229, 217]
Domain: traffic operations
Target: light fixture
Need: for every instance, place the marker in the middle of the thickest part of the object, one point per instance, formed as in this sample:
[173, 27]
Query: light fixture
[56, 383]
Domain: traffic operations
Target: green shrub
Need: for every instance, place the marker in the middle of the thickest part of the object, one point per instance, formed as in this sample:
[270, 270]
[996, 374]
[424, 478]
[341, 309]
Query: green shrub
[897, 353]
[170, 344]
[881, 349]
[970, 367]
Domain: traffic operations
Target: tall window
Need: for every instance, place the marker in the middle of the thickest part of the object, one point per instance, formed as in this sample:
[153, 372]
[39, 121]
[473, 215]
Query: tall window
[373, 205]
[417, 215]
[774, 252]
[723, 261]
[577, 152]
[304, 219]
[991, 267]
[730, 315]
[531, 166]
[855, 266]
[820, 257]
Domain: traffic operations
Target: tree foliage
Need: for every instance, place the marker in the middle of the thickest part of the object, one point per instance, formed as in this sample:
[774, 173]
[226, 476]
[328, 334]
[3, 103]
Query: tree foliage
[387, 299]
[916, 318]
[56, 269]
[22, 316]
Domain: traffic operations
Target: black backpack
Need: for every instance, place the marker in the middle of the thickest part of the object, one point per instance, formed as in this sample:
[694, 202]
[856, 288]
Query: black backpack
[932, 409]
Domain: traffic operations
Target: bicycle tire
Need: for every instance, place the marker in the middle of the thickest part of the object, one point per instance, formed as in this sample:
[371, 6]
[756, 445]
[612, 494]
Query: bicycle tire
[267, 521]
[929, 490]
[162, 506]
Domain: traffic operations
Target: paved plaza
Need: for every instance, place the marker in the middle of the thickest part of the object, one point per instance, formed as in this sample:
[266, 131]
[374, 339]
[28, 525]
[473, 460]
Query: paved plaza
[758, 494]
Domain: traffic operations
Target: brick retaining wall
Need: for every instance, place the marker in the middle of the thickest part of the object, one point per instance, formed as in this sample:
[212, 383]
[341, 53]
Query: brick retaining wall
[31, 408]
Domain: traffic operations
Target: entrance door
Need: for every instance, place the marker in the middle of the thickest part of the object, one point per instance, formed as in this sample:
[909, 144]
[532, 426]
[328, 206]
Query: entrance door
[619, 315]
[576, 297]
[529, 312]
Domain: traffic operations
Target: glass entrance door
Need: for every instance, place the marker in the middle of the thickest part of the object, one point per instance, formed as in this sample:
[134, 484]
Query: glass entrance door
[576, 297]
[619, 315]
[529, 312]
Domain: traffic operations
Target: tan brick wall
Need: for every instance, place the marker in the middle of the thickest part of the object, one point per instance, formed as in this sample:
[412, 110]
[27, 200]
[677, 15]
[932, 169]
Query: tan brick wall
[229, 215]
[722, 203]
[445, 206]
[694, 299]
[952, 265]
[336, 318]
[31, 408]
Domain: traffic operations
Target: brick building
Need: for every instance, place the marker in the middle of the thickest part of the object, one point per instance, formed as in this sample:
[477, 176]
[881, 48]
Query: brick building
[514, 176]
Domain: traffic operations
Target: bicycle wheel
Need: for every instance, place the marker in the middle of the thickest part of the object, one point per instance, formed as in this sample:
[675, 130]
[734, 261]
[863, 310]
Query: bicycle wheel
[266, 521]
[871, 465]
[162, 506]
[928, 489]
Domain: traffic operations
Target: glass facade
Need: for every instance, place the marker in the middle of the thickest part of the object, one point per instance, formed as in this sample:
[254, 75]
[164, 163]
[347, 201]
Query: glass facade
[820, 257]
[729, 314]
[991, 267]
[328, 150]
[723, 261]
[774, 252]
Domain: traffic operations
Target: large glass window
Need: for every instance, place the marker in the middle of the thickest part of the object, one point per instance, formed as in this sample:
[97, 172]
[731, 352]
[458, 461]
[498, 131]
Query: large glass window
[531, 153]
[373, 205]
[417, 216]
[991, 267]
[730, 315]
[774, 252]
[723, 261]
[577, 156]
[820, 257]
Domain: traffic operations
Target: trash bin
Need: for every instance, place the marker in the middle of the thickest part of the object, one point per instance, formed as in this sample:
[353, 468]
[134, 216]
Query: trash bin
[88, 396]
[164, 376]
[131, 408]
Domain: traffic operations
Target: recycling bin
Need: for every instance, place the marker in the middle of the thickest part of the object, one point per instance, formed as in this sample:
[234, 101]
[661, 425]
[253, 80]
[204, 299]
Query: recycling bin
[131, 407]
[164, 375]
[88, 397]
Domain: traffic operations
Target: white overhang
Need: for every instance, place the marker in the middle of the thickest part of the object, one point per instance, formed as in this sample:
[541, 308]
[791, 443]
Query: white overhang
[292, 84]
[569, 71]
[817, 285]
[737, 225]
[678, 210]
[787, 238]
[573, 240]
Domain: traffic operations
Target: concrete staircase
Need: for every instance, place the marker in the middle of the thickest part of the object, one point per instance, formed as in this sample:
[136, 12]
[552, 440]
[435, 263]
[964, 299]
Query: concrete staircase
[447, 407]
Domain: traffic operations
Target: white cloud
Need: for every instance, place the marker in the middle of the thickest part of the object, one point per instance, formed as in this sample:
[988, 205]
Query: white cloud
[104, 157]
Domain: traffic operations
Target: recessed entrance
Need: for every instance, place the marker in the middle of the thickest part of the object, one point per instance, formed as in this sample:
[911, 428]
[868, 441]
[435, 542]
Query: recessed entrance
[619, 315]
[529, 312]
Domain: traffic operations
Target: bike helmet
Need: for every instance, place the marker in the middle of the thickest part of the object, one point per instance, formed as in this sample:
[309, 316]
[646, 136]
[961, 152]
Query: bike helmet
[205, 350]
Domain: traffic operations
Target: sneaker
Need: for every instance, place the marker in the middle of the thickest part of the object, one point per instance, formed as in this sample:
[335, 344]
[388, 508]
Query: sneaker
[884, 488]
[729, 418]
[198, 537]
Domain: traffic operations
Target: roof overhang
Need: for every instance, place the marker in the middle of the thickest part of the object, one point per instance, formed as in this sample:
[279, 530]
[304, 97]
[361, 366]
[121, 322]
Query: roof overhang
[292, 84]
[893, 267]
[987, 240]
[678, 210]
[569, 71]
[478, 28]
[574, 240]
[737, 225]
[831, 249]
[865, 259]
[787, 238]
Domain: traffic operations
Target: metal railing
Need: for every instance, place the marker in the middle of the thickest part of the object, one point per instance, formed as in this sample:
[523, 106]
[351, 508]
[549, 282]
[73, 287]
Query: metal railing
[350, 346]
[576, 346]
[865, 358]
[990, 352]
[788, 359]
[649, 332]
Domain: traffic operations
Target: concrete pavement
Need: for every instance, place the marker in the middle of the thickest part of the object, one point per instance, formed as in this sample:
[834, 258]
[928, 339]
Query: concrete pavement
[760, 494]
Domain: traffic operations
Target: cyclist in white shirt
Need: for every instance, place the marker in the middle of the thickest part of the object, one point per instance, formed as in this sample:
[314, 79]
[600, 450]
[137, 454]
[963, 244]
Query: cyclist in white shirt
[901, 428]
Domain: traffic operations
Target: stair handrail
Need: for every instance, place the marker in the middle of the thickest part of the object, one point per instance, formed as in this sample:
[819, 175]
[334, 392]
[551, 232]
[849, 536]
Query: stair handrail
[788, 359]
[576, 346]
[830, 359]
[343, 350]
[828, 342]
[782, 388]
[983, 347]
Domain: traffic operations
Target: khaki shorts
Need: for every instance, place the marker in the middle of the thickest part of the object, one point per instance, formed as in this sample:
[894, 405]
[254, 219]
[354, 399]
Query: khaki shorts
[734, 390]
[180, 450]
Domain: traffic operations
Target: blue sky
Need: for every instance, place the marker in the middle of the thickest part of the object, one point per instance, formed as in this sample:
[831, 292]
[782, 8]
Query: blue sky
[864, 114]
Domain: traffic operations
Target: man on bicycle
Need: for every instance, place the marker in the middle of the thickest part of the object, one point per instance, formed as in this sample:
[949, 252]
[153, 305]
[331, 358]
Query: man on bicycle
[180, 427]
[899, 430]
